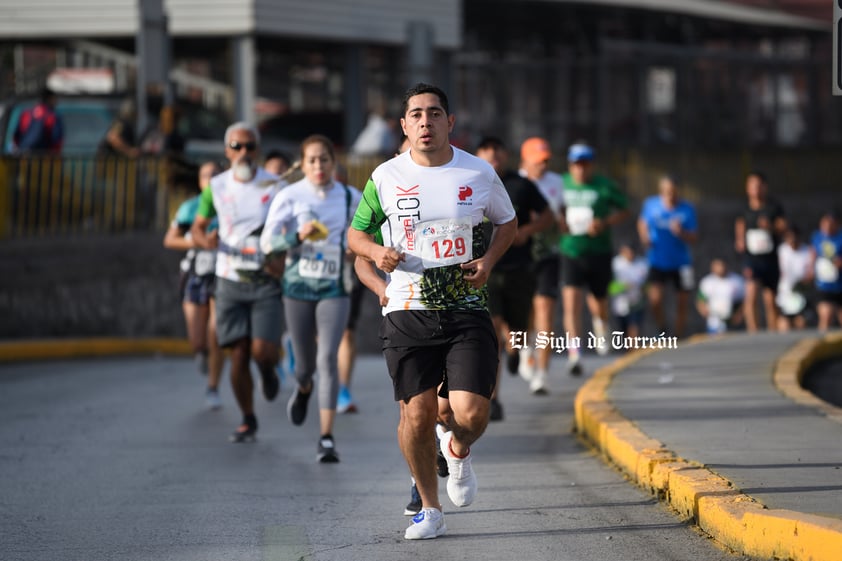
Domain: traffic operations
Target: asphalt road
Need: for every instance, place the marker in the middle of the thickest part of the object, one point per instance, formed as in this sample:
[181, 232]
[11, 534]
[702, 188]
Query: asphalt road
[117, 459]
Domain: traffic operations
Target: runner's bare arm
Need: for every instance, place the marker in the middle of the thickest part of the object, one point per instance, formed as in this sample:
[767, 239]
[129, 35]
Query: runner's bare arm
[643, 232]
[540, 223]
[200, 234]
[600, 224]
[385, 258]
[740, 235]
[370, 279]
[175, 238]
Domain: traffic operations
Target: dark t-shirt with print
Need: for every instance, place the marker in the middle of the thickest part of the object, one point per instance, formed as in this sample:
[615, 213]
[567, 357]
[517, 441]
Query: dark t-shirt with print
[526, 199]
[769, 212]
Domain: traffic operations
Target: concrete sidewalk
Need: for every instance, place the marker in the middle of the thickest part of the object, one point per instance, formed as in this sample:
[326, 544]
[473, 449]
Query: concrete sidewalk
[720, 430]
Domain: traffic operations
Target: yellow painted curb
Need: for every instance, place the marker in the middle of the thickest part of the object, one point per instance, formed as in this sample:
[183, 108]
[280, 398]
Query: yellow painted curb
[729, 516]
[45, 349]
[793, 365]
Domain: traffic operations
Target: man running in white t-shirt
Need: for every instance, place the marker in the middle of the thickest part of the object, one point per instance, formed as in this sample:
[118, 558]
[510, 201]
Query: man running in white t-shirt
[248, 300]
[429, 205]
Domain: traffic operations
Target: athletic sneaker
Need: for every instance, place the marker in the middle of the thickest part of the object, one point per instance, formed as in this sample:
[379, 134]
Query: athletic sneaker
[413, 507]
[326, 450]
[289, 357]
[461, 481]
[244, 433]
[344, 402]
[426, 525]
[538, 384]
[271, 385]
[212, 399]
[599, 331]
[297, 406]
[512, 362]
[441, 462]
[574, 366]
[526, 370]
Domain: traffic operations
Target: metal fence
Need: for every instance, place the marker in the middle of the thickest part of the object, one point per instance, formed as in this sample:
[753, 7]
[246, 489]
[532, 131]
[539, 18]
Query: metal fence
[44, 195]
[48, 195]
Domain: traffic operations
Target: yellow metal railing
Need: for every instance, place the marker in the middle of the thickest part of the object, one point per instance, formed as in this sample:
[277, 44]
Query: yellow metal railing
[48, 195]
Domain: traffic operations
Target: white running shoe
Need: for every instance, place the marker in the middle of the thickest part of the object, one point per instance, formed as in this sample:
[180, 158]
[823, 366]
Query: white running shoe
[574, 366]
[538, 384]
[461, 480]
[526, 370]
[426, 525]
[599, 331]
[212, 399]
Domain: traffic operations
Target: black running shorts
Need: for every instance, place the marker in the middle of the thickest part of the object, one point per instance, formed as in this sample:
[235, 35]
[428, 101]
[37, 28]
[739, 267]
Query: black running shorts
[424, 348]
[765, 270]
[547, 276]
[588, 271]
[510, 297]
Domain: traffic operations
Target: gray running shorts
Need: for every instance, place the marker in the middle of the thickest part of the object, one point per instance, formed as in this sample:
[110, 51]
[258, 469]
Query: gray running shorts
[248, 309]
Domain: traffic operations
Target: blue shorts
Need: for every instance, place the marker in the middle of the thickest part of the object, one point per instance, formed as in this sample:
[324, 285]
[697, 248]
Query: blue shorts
[198, 290]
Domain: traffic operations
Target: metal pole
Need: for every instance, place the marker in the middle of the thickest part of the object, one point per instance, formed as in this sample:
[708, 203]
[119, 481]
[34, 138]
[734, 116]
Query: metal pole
[244, 74]
[420, 38]
[356, 108]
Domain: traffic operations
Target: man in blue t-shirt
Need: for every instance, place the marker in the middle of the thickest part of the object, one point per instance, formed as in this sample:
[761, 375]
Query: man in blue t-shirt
[667, 226]
[826, 250]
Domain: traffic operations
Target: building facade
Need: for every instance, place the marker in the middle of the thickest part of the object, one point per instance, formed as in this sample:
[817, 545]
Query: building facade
[689, 74]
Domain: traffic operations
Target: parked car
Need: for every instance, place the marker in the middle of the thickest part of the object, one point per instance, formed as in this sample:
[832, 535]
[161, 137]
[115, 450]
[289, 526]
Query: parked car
[87, 118]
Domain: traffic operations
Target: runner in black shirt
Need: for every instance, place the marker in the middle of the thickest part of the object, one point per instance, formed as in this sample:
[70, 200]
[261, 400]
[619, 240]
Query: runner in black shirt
[758, 231]
[511, 284]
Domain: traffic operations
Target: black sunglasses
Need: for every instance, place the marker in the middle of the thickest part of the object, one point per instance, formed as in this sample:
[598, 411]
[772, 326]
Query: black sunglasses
[237, 146]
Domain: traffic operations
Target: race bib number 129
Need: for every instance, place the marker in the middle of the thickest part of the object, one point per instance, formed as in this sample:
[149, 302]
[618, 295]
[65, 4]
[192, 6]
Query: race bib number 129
[445, 242]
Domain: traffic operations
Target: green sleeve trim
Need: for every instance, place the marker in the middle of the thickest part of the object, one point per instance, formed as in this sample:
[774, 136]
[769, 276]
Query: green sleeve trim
[369, 216]
[206, 208]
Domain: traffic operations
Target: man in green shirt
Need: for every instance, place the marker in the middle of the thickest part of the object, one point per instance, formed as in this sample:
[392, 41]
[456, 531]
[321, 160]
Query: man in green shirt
[593, 204]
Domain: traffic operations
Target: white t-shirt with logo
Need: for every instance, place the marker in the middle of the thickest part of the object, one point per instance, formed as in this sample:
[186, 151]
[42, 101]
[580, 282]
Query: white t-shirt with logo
[242, 209]
[314, 269]
[632, 275]
[434, 215]
[722, 293]
[794, 265]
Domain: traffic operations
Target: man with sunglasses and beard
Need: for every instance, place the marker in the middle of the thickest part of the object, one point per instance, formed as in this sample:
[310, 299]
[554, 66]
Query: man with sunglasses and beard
[248, 297]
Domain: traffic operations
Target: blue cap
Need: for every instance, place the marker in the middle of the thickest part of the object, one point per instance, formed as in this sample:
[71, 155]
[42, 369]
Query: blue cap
[580, 153]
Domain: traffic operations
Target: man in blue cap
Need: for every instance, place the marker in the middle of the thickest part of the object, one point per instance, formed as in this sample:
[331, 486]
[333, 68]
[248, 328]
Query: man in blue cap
[593, 204]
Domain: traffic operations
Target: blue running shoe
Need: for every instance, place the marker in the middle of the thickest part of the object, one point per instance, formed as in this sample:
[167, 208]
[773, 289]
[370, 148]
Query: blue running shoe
[344, 402]
[289, 357]
[414, 505]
